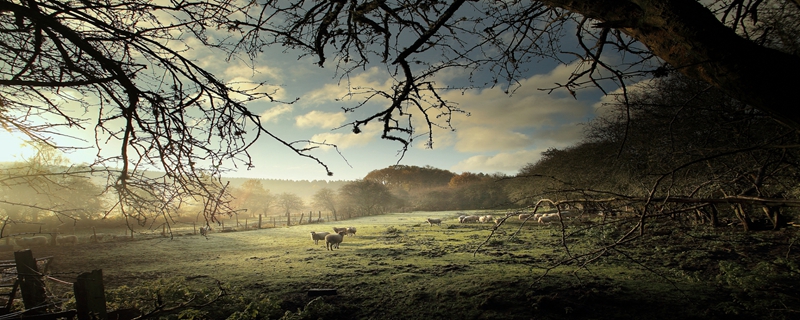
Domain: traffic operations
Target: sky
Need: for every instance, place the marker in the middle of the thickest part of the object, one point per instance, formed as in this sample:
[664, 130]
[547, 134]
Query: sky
[502, 133]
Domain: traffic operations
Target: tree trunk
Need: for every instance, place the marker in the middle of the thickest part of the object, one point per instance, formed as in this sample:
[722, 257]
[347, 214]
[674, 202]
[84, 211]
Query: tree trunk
[692, 40]
[775, 217]
[747, 225]
[714, 216]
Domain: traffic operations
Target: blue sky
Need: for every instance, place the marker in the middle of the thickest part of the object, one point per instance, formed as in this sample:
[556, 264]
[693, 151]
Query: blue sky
[503, 132]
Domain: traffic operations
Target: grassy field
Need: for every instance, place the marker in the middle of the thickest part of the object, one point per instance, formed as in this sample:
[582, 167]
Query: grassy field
[399, 267]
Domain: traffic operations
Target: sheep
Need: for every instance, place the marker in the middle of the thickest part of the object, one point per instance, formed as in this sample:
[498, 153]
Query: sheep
[32, 241]
[68, 239]
[97, 237]
[204, 230]
[437, 222]
[523, 216]
[337, 230]
[470, 219]
[351, 231]
[461, 218]
[548, 217]
[486, 218]
[317, 236]
[333, 240]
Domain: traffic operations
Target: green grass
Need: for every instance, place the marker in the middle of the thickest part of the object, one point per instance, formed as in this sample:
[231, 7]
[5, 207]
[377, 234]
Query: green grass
[397, 266]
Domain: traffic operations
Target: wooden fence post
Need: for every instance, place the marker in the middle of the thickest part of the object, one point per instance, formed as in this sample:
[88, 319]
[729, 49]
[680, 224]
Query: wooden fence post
[30, 280]
[90, 297]
[259, 221]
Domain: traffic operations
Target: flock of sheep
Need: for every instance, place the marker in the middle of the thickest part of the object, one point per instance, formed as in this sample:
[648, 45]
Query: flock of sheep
[332, 240]
[472, 218]
[548, 217]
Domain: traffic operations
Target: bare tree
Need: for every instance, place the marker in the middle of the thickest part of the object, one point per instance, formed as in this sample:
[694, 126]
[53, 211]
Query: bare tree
[125, 65]
[252, 197]
[289, 202]
[326, 198]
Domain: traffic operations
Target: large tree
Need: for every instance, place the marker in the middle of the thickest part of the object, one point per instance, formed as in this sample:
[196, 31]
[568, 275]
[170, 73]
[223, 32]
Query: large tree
[288, 202]
[326, 198]
[365, 197]
[252, 196]
[128, 62]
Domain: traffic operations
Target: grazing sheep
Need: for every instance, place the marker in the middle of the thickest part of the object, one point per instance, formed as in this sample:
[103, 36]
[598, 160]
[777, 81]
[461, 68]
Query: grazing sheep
[317, 236]
[548, 217]
[68, 239]
[32, 241]
[523, 216]
[333, 240]
[437, 222]
[337, 230]
[486, 218]
[351, 231]
[204, 230]
[97, 237]
[470, 219]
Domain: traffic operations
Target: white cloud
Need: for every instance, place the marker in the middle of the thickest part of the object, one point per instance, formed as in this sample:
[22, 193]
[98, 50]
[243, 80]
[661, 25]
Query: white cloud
[256, 73]
[479, 139]
[349, 139]
[352, 87]
[502, 162]
[320, 119]
[273, 113]
[526, 107]
[507, 123]
[241, 83]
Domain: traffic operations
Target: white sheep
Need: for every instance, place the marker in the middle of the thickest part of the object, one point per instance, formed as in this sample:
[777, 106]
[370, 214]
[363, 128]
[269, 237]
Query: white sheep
[317, 236]
[523, 216]
[32, 241]
[470, 219]
[98, 237]
[333, 240]
[548, 217]
[437, 222]
[461, 218]
[337, 230]
[486, 218]
[68, 239]
[351, 231]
